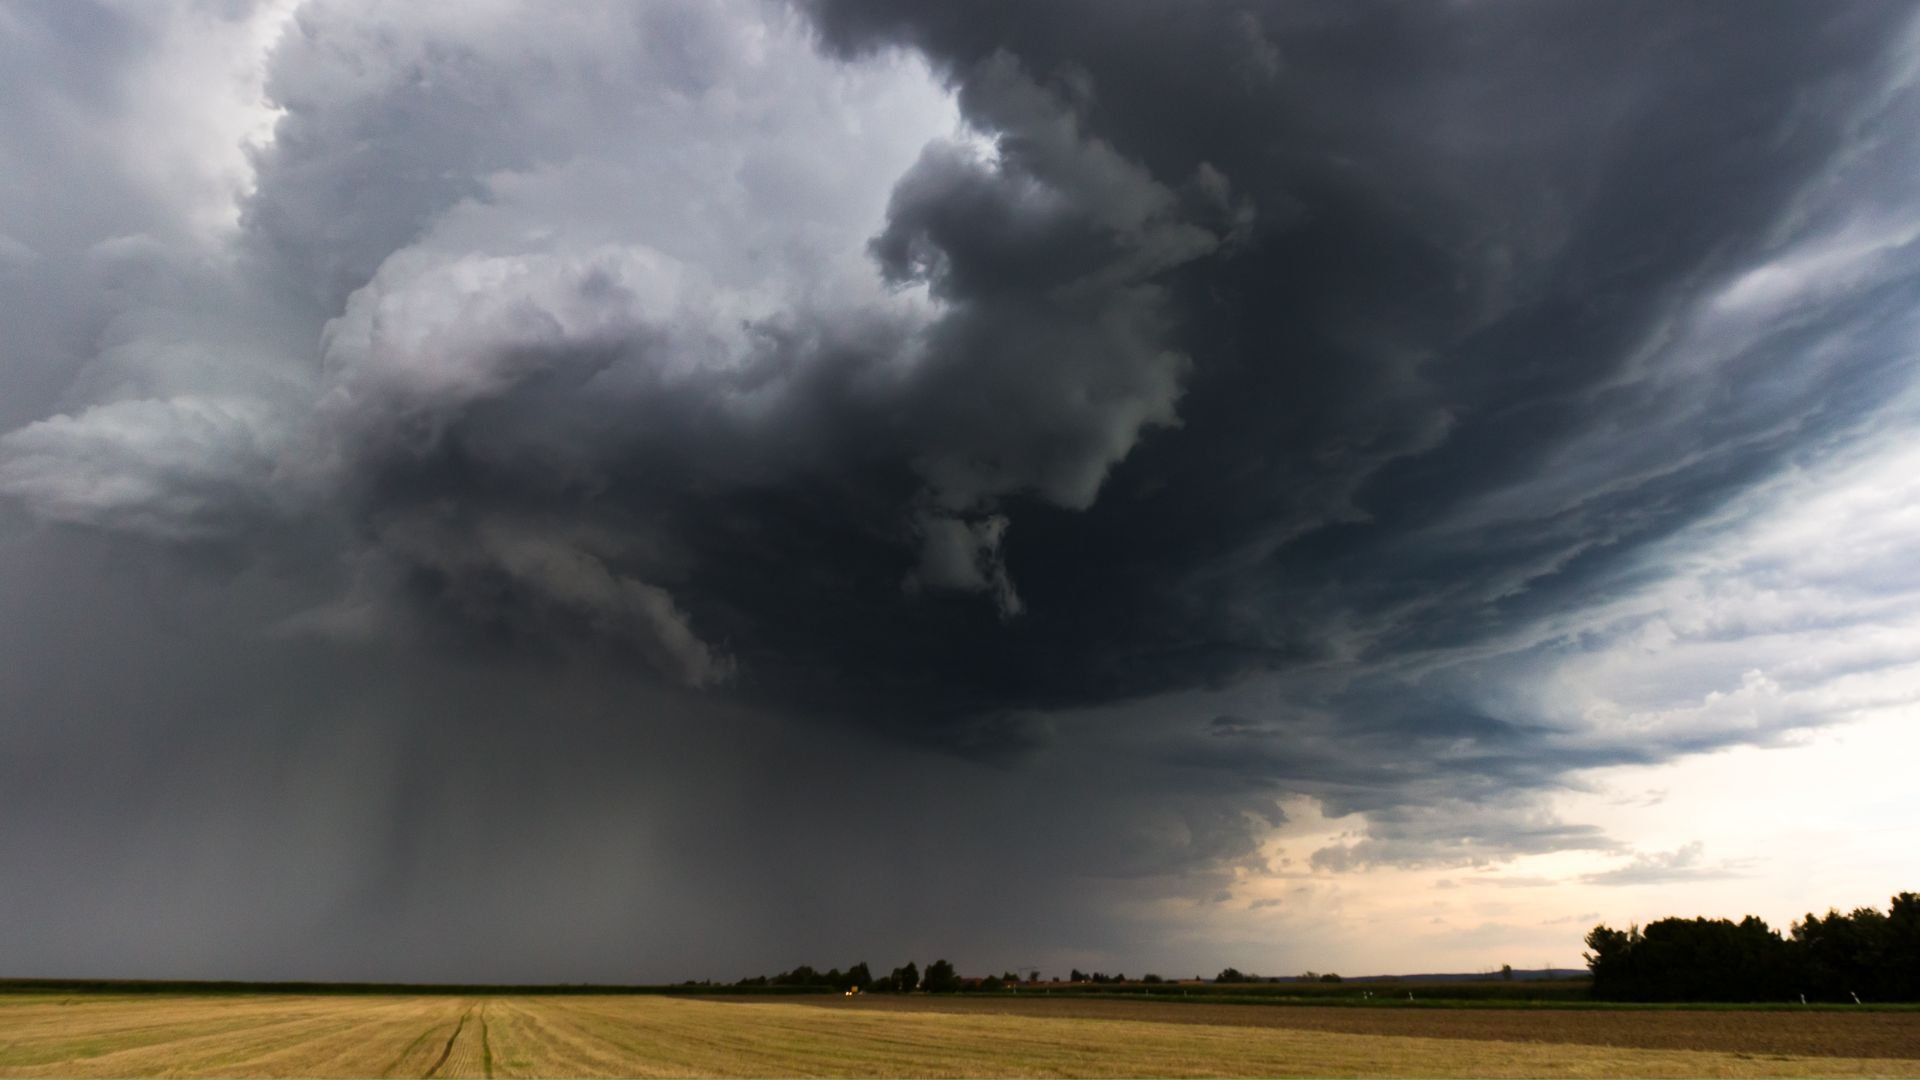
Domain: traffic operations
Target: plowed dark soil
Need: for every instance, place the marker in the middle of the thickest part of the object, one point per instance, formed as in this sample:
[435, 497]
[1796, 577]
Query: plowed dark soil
[1823, 1034]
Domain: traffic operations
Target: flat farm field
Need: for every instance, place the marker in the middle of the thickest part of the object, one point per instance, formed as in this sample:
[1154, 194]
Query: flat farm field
[566, 1035]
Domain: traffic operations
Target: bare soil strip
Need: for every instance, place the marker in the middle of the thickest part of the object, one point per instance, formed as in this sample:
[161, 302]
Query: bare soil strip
[1818, 1034]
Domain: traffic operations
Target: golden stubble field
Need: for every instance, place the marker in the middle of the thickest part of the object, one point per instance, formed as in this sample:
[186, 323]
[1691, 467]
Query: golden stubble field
[329, 1036]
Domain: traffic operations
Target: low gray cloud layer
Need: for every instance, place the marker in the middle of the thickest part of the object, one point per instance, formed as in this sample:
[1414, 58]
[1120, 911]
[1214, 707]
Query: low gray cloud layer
[908, 453]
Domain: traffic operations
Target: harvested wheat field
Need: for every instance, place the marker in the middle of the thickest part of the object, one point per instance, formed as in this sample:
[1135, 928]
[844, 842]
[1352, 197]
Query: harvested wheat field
[652, 1036]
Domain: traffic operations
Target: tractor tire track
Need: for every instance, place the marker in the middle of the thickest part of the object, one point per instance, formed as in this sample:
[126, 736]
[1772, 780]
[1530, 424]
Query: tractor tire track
[486, 1045]
[395, 1063]
[447, 1050]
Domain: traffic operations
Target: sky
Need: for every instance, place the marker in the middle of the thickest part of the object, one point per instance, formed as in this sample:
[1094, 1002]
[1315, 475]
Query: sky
[621, 492]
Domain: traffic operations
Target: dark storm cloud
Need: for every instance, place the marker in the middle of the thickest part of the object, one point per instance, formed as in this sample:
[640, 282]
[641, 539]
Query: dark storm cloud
[1252, 401]
[1477, 236]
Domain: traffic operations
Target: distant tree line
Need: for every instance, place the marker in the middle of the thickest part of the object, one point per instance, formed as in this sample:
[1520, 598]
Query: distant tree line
[939, 978]
[805, 976]
[1863, 955]
[1235, 975]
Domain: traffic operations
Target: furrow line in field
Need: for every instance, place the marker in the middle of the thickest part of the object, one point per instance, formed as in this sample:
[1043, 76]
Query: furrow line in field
[347, 1041]
[178, 1041]
[402, 1056]
[679, 1038]
[537, 1039]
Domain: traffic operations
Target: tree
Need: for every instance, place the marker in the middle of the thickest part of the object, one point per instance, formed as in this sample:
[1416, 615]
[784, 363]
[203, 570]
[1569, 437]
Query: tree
[1862, 954]
[941, 978]
[1691, 960]
[859, 977]
[1231, 975]
[1611, 961]
[1506, 972]
[1856, 953]
[1903, 948]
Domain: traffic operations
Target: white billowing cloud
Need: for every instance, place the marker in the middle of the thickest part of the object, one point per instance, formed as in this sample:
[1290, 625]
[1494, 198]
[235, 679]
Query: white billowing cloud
[183, 468]
[435, 333]
[201, 107]
[201, 409]
[709, 131]
[566, 233]
[617, 336]
[676, 198]
[679, 254]
[149, 109]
